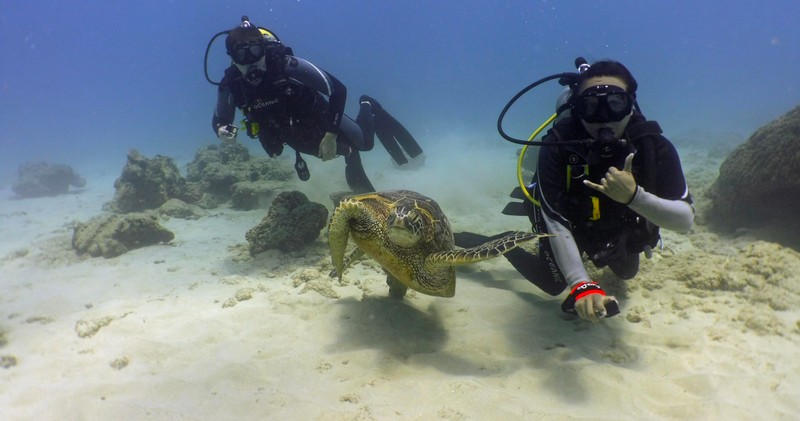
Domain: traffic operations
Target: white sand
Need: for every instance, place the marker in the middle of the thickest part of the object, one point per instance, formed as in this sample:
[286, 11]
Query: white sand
[708, 330]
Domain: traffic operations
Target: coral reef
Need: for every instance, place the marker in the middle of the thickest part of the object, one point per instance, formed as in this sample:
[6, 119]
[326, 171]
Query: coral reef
[176, 208]
[113, 235]
[291, 223]
[149, 188]
[218, 174]
[37, 179]
[148, 183]
[758, 185]
[227, 172]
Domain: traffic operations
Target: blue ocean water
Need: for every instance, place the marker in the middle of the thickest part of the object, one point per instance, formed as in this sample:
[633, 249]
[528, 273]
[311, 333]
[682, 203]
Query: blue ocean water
[83, 82]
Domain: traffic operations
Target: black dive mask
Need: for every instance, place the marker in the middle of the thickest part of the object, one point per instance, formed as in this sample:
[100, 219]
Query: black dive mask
[248, 53]
[603, 104]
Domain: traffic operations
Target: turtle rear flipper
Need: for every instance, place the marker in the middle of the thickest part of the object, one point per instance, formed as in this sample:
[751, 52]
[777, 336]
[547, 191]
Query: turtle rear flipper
[396, 288]
[482, 252]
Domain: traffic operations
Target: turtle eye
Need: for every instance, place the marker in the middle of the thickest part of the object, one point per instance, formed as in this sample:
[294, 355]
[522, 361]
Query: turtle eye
[398, 217]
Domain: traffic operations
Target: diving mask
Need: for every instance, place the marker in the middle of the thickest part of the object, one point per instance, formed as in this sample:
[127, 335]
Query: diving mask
[248, 53]
[603, 104]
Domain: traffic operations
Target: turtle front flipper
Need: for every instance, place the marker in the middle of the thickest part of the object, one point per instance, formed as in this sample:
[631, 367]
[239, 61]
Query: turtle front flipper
[339, 231]
[482, 252]
[355, 256]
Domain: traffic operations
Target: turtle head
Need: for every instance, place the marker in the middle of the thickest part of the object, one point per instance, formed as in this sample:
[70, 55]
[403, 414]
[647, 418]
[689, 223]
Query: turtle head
[404, 226]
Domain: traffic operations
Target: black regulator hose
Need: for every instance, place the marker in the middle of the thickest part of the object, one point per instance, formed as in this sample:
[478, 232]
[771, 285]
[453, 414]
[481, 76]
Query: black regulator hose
[205, 61]
[564, 78]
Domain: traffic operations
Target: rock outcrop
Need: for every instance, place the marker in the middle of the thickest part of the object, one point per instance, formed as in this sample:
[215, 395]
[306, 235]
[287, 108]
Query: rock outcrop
[227, 172]
[758, 185]
[147, 183]
[113, 235]
[38, 179]
[291, 223]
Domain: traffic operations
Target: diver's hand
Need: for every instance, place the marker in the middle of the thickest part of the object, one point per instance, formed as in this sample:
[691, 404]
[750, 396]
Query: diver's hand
[227, 133]
[592, 307]
[590, 302]
[327, 148]
[619, 185]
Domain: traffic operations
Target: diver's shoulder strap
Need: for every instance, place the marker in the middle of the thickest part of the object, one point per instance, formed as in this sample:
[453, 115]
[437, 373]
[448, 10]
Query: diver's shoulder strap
[643, 128]
[640, 130]
[236, 86]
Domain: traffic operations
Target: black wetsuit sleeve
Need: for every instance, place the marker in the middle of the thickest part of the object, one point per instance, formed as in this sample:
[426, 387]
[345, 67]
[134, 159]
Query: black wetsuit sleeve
[225, 111]
[671, 182]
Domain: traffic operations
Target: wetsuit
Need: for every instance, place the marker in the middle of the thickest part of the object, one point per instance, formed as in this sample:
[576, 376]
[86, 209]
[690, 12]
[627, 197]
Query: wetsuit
[586, 221]
[296, 107]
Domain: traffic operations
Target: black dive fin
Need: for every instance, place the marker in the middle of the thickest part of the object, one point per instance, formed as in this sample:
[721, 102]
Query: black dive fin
[393, 136]
[515, 209]
[517, 193]
[388, 141]
[401, 135]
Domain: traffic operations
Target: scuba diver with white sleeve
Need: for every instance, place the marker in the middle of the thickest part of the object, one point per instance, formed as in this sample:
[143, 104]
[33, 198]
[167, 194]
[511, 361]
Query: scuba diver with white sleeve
[605, 182]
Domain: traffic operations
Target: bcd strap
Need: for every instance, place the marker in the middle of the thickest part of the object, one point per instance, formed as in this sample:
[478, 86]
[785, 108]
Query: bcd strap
[301, 167]
[637, 131]
[634, 131]
[595, 208]
[644, 128]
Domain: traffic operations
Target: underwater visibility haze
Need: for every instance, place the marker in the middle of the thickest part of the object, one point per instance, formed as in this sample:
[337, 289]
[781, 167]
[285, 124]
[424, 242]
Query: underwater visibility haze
[83, 82]
[216, 319]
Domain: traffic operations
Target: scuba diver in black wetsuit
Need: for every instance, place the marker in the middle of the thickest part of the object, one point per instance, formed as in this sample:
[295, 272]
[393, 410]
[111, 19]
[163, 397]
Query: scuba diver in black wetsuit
[289, 101]
[606, 180]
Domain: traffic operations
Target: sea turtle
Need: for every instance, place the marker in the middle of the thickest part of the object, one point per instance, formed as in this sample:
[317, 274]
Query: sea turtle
[409, 235]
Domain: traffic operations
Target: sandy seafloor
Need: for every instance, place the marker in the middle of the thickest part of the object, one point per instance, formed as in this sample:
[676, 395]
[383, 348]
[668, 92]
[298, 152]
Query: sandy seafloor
[199, 330]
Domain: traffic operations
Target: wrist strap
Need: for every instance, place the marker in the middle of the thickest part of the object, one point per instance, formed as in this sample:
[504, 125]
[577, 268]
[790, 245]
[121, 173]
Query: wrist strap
[635, 193]
[580, 290]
